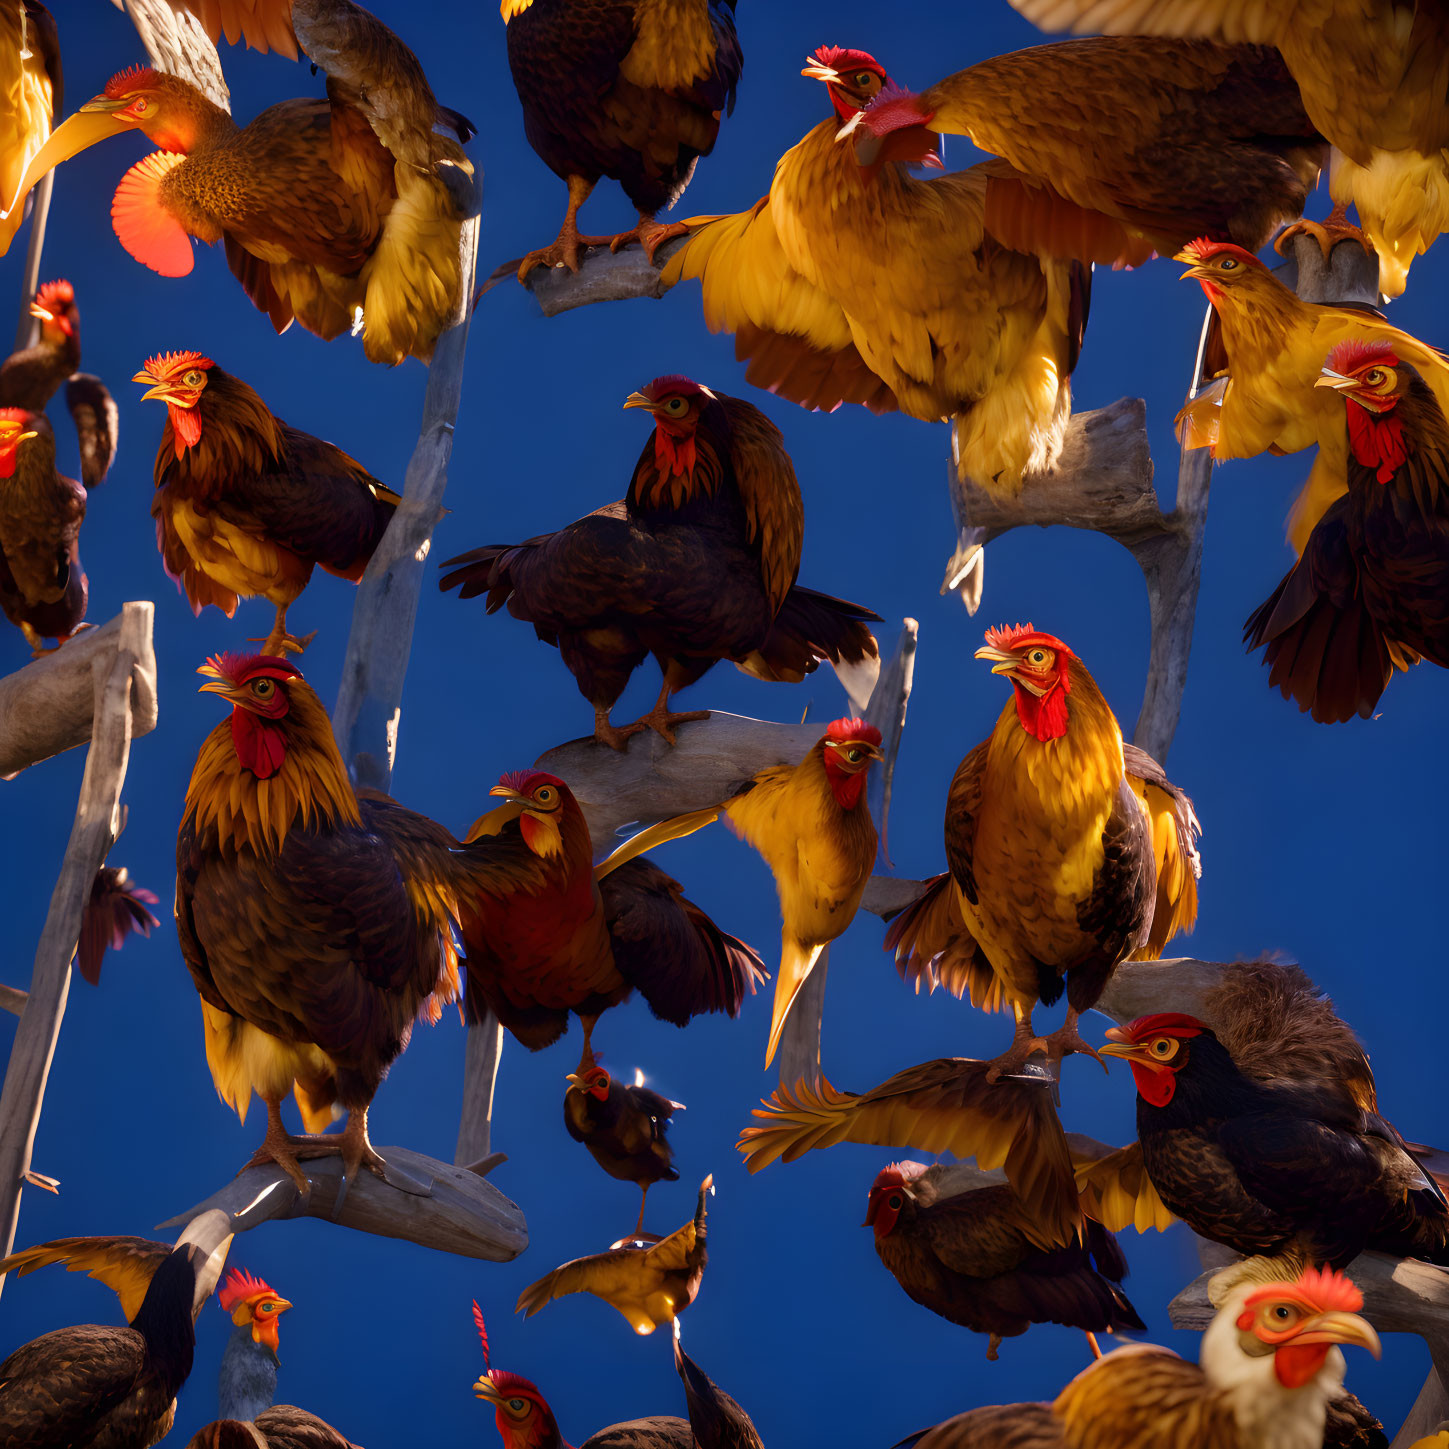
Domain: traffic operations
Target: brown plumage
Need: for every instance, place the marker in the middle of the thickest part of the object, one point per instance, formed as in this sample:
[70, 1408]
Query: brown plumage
[43, 588]
[624, 1127]
[31, 377]
[960, 1243]
[947, 1105]
[1068, 849]
[696, 564]
[245, 504]
[116, 908]
[716, 1421]
[1371, 591]
[114, 1388]
[629, 89]
[649, 1283]
[283, 1426]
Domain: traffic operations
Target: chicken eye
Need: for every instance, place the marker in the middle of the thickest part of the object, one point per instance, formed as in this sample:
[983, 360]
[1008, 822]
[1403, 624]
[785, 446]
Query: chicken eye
[267, 1307]
[139, 106]
[676, 407]
[545, 795]
[516, 1406]
[894, 1201]
[194, 378]
[264, 688]
[1163, 1048]
[1374, 376]
[853, 755]
[864, 79]
[1037, 658]
[1228, 264]
[1284, 1314]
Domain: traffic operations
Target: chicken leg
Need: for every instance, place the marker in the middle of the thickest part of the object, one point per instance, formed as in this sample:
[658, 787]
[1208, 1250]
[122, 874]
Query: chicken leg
[1066, 1039]
[661, 719]
[650, 234]
[279, 642]
[1023, 1043]
[565, 251]
[1334, 228]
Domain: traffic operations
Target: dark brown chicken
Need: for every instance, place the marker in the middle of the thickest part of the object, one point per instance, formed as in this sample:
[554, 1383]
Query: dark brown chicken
[112, 1388]
[623, 1126]
[245, 504]
[43, 588]
[629, 89]
[696, 564]
[959, 1242]
[1371, 592]
[31, 377]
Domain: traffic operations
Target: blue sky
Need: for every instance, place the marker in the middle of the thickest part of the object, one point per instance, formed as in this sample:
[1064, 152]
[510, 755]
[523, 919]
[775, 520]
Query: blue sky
[1320, 843]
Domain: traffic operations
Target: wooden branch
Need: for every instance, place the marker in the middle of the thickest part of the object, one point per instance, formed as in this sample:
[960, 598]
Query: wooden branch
[97, 822]
[460, 1212]
[1429, 1414]
[28, 329]
[13, 999]
[49, 706]
[481, 1055]
[603, 276]
[178, 45]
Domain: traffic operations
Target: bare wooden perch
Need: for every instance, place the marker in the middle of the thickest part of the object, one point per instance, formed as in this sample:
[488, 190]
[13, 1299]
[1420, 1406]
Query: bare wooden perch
[49, 706]
[111, 672]
[603, 276]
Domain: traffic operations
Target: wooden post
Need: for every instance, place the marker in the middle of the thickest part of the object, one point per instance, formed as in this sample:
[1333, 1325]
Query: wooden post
[97, 821]
[29, 327]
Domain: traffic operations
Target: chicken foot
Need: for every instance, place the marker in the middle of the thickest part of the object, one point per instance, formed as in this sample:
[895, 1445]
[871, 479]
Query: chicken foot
[650, 234]
[661, 719]
[1024, 1043]
[1334, 228]
[565, 251]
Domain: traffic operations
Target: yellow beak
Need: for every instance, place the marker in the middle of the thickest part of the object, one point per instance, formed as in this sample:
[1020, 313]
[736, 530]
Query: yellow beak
[92, 123]
[1339, 1327]
[487, 1390]
[43, 313]
[574, 1080]
[1336, 380]
[216, 686]
[638, 400]
[1127, 1052]
[494, 820]
[161, 390]
[821, 73]
[1002, 662]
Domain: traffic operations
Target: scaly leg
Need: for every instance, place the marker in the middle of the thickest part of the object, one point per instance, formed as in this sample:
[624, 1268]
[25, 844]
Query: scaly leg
[1023, 1043]
[650, 234]
[661, 720]
[282, 1148]
[1094, 1345]
[992, 1345]
[586, 1057]
[1334, 228]
[608, 733]
[279, 642]
[643, 1198]
[1067, 1039]
[565, 251]
[357, 1151]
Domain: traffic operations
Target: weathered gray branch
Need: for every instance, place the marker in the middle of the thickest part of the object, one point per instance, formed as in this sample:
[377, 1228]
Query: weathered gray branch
[49, 706]
[13, 999]
[28, 328]
[97, 822]
[460, 1212]
[603, 276]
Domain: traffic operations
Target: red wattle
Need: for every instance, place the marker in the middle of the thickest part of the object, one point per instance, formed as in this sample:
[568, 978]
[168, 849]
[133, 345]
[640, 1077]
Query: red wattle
[1042, 716]
[675, 456]
[1295, 1364]
[845, 787]
[1377, 441]
[186, 424]
[1154, 1085]
[259, 745]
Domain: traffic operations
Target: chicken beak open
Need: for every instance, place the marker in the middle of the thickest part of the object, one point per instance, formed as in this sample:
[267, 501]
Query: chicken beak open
[638, 400]
[1342, 1328]
[486, 1389]
[1001, 661]
[93, 122]
[160, 390]
[825, 73]
[494, 820]
[43, 314]
[1194, 268]
[1336, 380]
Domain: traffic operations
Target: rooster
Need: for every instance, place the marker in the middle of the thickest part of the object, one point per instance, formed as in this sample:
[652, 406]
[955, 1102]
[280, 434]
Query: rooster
[245, 504]
[649, 1282]
[696, 564]
[624, 1127]
[1269, 1368]
[334, 212]
[316, 923]
[548, 934]
[111, 1388]
[827, 312]
[1372, 588]
[1275, 345]
[959, 1243]
[813, 827]
[625, 89]
[1068, 849]
[1372, 80]
[43, 588]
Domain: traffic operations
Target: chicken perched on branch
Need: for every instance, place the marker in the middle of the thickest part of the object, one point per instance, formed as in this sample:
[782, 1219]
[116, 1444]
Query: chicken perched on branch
[1371, 591]
[624, 1127]
[1068, 851]
[548, 934]
[649, 1281]
[337, 213]
[948, 1105]
[1275, 344]
[812, 825]
[832, 284]
[30, 100]
[112, 1388]
[43, 588]
[1372, 77]
[696, 564]
[628, 89]
[246, 504]
[1269, 1367]
[959, 1242]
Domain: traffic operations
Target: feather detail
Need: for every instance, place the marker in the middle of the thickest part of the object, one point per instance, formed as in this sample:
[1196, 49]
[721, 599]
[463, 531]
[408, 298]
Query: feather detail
[142, 223]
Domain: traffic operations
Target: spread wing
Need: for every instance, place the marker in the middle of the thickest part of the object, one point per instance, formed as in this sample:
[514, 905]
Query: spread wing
[1175, 829]
[1142, 1397]
[54, 1389]
[932, 944]
[774, 510]
[1251, 22]
[1115, 1188]
[795, 337]
[945, 1105]
[263, 24]
[125, 1265]
[963, 804]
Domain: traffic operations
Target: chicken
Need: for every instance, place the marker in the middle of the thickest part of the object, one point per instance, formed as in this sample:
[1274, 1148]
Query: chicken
[316, 924]
[648, 1282]
[1069, 851]
[947, 1105]
[624, 1127]
[1276, 1165]
[1269, 1366]
[30, 99]
[1372, 74]
[548, 934]
[813, 827]
[1275, 345]
[525, 1420]
[117, 907]
[629, 89]
[832, 284]
[959, 1243]
[1371, 591]
[114, 1388]
[246, 504]
[43, 588]
[697, 563]
[247, 1381]
[340, 213]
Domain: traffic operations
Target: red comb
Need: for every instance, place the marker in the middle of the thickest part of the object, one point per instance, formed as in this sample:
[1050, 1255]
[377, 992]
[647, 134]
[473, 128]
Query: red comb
[838, 58]
[524, 782]
[240, 1286]
[482, 1335]
[1325, 1290]
[1204, 249]
[1356, 355]
[1163, 1023]
[59, 291]
[15, 415]
[672, 384]
[852, 729]
[168, 362]
[898, 1174]
[236, 668]
[1013, 636]
[135, 78]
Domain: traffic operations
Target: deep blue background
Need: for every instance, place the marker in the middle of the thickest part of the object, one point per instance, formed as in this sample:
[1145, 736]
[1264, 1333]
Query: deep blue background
[1324, 844]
